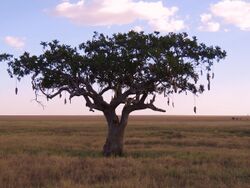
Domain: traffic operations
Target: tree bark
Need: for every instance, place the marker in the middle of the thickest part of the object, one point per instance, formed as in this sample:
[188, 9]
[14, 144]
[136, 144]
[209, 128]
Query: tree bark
[114, 141]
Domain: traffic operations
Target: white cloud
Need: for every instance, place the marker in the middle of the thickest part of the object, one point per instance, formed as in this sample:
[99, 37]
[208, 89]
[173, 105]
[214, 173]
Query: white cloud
[206, 18]
[138, 28]
[208, 24]
[114, 12]
[235, 12]
[15, 42]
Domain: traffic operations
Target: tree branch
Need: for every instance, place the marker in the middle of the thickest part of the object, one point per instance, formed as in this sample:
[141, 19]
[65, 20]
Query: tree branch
[154, 108]
[36, 99]
[98, 99]
[104, 90]
[51, 96]
[142, 106]
[91, 105]
[121, 98]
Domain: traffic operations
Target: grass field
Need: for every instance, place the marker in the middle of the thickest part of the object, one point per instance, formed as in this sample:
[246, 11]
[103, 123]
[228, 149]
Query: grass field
[160, 151]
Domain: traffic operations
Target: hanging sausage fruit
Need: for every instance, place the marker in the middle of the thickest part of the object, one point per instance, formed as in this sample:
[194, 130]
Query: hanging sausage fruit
[195, 109]
[208, 79]
[175, 87]
[16, 90]
[208, 85]
[65, 100]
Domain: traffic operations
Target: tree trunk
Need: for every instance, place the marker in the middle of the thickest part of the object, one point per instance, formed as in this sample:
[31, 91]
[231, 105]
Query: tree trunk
[114, 141]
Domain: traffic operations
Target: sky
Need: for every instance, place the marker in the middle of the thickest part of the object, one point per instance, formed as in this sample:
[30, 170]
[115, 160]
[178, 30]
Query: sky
[226, 23]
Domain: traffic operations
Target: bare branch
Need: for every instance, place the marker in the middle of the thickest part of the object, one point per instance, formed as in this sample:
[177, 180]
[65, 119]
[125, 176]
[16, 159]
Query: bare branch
[142, 105]
[39, 102]
[36, 100]
[154, 108]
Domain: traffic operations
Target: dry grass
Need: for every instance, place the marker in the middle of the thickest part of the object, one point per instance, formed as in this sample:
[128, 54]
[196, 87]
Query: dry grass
[65, 152]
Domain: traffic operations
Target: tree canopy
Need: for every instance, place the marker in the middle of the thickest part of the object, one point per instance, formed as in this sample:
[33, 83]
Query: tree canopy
[134, 66]
[130, 64]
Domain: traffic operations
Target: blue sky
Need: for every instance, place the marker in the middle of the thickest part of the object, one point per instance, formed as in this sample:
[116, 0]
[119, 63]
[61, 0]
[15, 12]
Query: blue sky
[24, 24]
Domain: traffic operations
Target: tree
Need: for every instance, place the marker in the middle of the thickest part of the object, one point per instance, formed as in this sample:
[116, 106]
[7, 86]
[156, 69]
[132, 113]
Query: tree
[135, 67]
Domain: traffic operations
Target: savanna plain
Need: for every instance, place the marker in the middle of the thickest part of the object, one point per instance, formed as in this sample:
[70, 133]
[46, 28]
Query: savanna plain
[160, 151]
